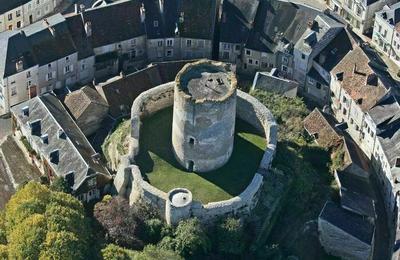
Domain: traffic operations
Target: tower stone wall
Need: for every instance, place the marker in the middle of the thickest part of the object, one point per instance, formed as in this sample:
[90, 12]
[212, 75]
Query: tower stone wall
[204, 115]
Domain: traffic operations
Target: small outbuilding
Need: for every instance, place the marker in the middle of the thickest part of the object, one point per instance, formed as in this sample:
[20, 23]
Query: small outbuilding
[274, 82]
[345, 234]
[88, 109]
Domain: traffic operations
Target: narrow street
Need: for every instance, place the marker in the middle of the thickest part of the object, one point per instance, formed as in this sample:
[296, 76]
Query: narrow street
[6, 187]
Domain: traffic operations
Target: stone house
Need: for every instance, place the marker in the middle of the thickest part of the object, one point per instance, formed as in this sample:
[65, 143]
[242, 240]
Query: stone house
[386, 34]
[355, 88]
[236, 21]
[317, 83]
[87, 108]
[116, 49]
[15, 14]
[61, 147]
[321, 126]
[345, 234]
[358, 14]
[274, 82]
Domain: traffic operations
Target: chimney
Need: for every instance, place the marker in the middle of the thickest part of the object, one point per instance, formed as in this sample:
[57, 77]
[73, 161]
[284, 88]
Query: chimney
[76, 8]
[88, 29]
[161, 3]
[142, 13]
[96, 157]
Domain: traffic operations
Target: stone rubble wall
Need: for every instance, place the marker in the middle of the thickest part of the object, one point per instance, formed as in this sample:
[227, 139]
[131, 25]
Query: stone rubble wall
[130, 184]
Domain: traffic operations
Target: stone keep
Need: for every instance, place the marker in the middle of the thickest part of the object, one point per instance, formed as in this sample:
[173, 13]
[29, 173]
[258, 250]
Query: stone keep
[204, 115]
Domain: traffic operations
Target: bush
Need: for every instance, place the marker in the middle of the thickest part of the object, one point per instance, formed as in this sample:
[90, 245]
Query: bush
[3, 252]
[114, 252]
[190, 239]
[152, 252]
[155, 230]
[230, 236]
[60, 184]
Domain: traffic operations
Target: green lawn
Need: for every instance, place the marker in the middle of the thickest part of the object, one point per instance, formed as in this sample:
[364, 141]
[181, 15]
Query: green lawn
[159, 167]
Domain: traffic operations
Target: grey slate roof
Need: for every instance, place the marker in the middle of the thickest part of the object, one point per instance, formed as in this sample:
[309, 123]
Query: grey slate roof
[124, 25]
[75, 152]
[50, 39]
[7, 5]
[77, 30]
[167, 20]
[349, 222]
[237, 19]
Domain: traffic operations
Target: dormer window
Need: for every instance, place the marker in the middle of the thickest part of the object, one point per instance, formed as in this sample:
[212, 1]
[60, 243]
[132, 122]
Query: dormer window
[45, 139]
[398, 162]
[19, 65]
[61, 134]
[25, 111]
[55, 156]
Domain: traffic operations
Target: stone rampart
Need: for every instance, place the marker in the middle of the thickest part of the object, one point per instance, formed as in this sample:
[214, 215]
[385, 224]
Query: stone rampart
[130, 184]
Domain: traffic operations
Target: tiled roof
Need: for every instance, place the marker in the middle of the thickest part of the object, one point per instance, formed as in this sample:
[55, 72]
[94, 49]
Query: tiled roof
[78, 101]
[360, 80]
[321, 126]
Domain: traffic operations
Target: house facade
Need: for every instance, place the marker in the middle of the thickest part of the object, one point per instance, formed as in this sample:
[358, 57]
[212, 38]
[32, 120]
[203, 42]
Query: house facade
[358, 14]
[60, 147]
[16, 14]
[386, 34]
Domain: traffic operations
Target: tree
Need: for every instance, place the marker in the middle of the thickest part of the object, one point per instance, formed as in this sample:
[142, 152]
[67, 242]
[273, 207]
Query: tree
[60, 184]
[155, 230]
[152, 252]
[121, 224]
[190, 239]
[230, 236]
[43, 224]
[3, 252]
[114, 252]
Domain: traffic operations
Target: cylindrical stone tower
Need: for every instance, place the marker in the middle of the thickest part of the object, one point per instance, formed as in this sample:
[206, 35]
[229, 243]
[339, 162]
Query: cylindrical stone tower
[204, 115]
[178, 205]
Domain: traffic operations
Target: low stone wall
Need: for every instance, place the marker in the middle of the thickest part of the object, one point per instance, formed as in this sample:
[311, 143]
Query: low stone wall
[130, 184]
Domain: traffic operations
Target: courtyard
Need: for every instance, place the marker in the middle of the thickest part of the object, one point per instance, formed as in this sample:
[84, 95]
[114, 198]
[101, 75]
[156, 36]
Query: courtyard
[159, 167]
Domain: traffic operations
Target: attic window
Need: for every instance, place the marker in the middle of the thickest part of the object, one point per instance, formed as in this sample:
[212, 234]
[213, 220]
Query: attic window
[398, 162]
[55, 156]
[155, 23]
[359, 101]
[19, 65]
[61, 134]
[25, 111]
[36, 127]
[45, 138]
[70, 178]
[339, 76]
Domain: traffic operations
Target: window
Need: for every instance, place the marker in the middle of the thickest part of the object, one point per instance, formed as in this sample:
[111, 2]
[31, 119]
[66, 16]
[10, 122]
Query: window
[311, 81]
[13, 91]
[344, 99]
[225, 55]
[227, 46]
[18, 13]
[256, 62]
[250, 61]
[159, 43]
[170, 42]
[49, 76]
[200, 43]
[284, 68]
[169, 53]
[49, 66]
[285, 60]
[248, 52]
[10, 27]
[188, 43]
[191, 141]
[303, 56]
[28, 84]
[237, 47]
[344, 111]
[67, 69]
[28, 74]
[133, 54]
[18, 24]
[318, 85]
[9, 17]
[351, 121]
[67, 59]
[83, 67]
[155, 23]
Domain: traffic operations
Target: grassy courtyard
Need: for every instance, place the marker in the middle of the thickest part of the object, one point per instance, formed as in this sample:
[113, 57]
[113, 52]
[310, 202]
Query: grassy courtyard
[159, 167]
